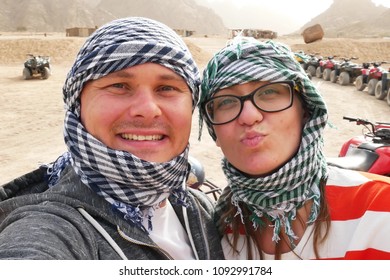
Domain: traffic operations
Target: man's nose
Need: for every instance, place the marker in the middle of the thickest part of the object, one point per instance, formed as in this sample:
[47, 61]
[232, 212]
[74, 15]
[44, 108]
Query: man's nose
[144, 103]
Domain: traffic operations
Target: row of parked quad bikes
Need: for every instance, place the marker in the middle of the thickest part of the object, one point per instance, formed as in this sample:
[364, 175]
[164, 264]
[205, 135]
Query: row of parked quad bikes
[345, 72]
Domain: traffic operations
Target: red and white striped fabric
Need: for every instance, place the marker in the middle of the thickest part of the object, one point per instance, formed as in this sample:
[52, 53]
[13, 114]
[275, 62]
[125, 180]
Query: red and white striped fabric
[359, 205]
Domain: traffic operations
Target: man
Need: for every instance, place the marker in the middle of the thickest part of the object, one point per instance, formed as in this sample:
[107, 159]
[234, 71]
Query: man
[120, 191]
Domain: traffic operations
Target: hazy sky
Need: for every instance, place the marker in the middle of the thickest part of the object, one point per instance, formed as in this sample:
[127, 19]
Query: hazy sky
[282, 16]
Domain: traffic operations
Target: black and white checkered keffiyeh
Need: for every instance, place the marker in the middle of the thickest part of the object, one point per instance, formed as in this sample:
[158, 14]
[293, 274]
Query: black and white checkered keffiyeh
[131, 185]
[276, 196]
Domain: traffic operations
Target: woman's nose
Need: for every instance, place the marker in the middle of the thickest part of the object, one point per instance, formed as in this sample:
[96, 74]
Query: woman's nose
[249, 114]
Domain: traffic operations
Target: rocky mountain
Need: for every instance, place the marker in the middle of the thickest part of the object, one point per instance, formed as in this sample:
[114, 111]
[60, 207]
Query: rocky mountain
[57, 15]
[44, 15]
[344, 18]
[184, 14]
[353, 18]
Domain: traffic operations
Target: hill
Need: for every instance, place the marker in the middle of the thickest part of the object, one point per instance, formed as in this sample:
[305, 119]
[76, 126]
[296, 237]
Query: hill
[184, 14]
[344, 18]
[353, 18]
[57, 15]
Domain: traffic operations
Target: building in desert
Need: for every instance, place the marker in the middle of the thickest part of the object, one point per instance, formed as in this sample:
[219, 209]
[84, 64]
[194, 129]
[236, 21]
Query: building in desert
[79, 31]
[255, 33]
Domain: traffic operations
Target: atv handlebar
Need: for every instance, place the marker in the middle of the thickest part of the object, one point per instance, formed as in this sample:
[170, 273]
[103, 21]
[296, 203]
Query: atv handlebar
[350, 119]
[378, 131]
[359, 121]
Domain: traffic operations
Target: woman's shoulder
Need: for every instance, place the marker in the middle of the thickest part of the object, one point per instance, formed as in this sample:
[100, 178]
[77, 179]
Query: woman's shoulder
[346, 177]
[350, 194]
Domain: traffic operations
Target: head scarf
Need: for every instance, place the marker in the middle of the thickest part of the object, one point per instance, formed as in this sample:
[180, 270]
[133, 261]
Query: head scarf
[131, 185]
[276, 196]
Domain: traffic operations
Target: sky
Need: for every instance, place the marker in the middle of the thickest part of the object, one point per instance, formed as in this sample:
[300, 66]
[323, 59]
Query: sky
[282, 16]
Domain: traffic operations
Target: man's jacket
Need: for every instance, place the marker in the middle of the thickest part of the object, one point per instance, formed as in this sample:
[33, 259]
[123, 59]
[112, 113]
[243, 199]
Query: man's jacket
[69, 221]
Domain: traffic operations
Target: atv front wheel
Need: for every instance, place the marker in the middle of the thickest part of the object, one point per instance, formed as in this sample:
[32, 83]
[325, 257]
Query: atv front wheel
[45, 73]
[379, 94]
[311, 70]
[388, 97]
[318, 72]
[26, 74]
[333, 76]
[371, 86]
[326, 74]
[344, 79]
[359, 83]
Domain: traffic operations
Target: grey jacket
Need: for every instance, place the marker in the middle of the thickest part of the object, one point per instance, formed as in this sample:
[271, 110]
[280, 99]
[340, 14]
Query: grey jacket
[48, 223]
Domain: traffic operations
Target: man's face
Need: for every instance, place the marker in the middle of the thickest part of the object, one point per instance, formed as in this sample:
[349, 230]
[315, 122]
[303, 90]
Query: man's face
[145, 110]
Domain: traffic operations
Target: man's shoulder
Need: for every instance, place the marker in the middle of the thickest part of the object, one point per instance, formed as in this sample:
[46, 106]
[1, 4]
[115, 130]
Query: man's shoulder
[32, 189]
[29, 183]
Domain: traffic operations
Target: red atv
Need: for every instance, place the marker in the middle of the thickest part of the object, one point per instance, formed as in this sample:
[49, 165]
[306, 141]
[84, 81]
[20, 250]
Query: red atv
[369, 152]
[370, 77]
[322, 64]
[327, 67]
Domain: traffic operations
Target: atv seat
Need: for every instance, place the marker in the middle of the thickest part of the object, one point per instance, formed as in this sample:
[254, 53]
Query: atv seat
[360, 160]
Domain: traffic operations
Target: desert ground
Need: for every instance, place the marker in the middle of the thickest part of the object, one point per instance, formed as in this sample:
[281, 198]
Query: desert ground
[31, 111]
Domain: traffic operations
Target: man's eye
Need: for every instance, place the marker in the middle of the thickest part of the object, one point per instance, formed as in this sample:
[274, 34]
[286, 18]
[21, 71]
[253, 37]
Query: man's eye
[118, 85]
[166, 88]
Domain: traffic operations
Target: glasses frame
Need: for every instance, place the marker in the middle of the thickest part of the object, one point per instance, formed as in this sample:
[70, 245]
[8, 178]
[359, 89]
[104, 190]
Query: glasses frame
[250, 96]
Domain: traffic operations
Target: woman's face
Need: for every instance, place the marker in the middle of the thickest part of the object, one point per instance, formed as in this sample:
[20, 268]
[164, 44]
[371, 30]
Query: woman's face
[257, 142]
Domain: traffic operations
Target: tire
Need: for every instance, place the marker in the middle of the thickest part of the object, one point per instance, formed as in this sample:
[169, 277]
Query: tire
[371, 86]
[318, 72]
[326, 74]
[379, 94]
[26, 74]
[344, 79]
[311, 70]
[46, 73]
[359, 83]
[388, 97]
[333, 76]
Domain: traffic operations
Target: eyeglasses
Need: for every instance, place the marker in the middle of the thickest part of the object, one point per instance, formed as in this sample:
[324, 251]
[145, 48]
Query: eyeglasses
[272, 97]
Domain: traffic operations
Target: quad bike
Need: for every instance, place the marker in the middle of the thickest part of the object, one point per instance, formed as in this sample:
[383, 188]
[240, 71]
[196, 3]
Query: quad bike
[329, 67]
[369, 152]
[345, 72]
[36, 66]
[312, 64]
[302, 58]
[325, 68]
[370, 77]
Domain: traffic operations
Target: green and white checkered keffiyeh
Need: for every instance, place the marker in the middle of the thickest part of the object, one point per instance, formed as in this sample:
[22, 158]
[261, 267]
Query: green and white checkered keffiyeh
[276, 196]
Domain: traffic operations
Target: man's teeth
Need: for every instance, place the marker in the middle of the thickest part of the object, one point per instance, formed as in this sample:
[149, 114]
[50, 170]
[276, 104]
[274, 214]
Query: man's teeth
[142, 137]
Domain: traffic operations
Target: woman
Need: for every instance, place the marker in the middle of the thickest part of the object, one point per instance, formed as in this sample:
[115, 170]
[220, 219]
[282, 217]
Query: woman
[282, 200]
